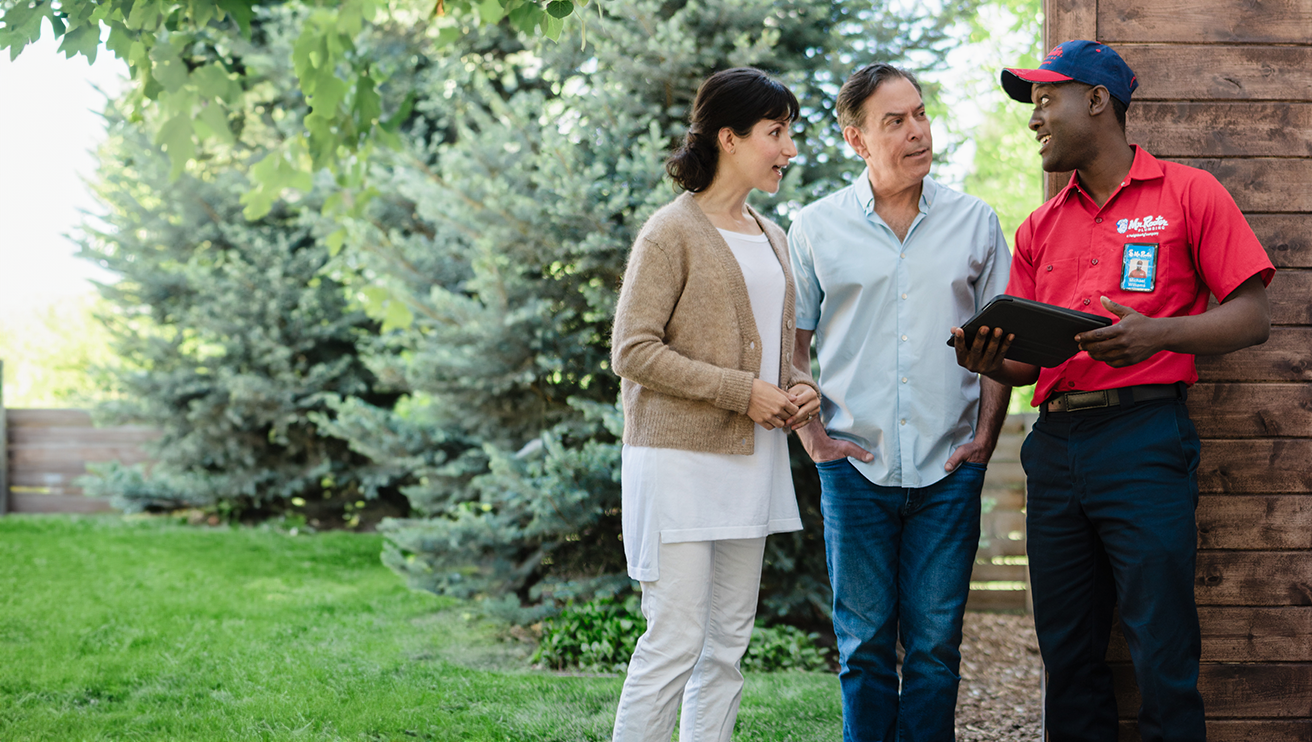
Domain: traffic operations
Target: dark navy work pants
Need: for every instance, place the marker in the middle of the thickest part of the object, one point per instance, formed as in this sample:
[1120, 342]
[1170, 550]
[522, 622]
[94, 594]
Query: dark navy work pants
[1110, 521]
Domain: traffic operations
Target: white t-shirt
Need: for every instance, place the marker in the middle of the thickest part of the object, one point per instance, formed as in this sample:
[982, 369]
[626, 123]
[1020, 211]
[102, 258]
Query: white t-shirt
[671, 495]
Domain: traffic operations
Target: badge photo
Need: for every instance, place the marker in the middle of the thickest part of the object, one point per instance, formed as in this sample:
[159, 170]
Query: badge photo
[1139, 267]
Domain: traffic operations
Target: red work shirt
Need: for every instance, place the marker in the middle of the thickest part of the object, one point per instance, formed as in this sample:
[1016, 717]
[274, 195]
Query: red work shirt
[1168, 236]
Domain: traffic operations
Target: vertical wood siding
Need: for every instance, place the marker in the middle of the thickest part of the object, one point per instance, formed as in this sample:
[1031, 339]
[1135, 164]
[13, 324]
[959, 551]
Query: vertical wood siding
[1227, 87]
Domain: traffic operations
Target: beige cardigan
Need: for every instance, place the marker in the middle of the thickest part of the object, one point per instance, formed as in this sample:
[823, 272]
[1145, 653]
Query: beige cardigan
[685, 342]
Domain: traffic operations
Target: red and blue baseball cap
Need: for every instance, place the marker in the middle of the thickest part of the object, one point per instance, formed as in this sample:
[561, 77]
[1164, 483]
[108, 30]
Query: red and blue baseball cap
[1081, 61]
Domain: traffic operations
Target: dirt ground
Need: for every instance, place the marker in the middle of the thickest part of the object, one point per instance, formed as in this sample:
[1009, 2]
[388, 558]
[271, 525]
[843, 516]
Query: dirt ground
[999, 696]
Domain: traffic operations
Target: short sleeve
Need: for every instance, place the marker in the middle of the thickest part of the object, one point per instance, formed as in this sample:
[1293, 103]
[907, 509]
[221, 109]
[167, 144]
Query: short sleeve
[1225, 250]
[993, 280]
[809, 294]
[1020, 282]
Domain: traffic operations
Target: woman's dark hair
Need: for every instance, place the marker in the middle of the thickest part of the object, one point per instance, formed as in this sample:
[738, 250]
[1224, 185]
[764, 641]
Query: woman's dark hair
[737, 98]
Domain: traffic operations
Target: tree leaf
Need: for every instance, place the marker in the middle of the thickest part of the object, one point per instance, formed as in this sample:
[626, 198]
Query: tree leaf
[241, 11]
[525, 18]
[214, 120]
[177, 137]
[552, 27]
[560, 8]
[491, 11]
[84, 40]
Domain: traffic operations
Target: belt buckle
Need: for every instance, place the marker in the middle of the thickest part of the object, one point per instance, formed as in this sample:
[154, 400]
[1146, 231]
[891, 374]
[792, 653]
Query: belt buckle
[1076, 401]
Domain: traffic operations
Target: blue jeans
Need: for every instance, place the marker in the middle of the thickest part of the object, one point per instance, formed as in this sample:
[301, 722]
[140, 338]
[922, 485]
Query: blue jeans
[899, 562]
[1110, 520]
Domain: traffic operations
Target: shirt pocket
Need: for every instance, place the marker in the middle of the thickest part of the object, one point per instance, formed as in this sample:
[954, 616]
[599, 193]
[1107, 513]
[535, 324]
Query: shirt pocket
[1057, 282]
[1147, 303]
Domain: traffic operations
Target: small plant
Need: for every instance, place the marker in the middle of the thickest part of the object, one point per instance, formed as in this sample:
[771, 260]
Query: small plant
[600, 635]
[784, 647]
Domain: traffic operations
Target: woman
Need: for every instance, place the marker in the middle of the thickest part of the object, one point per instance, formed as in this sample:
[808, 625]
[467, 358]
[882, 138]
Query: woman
[703, 341]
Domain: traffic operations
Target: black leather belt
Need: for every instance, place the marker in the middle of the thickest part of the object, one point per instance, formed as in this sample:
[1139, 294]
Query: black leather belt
[1078, 401]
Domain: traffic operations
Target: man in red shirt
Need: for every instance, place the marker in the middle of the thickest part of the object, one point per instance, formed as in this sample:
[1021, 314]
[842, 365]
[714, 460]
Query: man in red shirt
[1111, 463]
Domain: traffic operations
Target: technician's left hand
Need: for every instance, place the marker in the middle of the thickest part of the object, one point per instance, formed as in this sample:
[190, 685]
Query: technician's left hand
[1132, 339]
[976, 452]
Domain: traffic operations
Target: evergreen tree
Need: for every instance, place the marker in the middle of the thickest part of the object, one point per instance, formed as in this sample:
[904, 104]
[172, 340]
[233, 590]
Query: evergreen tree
[231, 342]
[495, 246]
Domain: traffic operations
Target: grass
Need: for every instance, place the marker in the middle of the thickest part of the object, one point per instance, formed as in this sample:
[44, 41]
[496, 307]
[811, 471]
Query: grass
[142, 629]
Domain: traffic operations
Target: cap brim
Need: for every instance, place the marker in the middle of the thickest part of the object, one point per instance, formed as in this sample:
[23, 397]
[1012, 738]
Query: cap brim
[1017, 82]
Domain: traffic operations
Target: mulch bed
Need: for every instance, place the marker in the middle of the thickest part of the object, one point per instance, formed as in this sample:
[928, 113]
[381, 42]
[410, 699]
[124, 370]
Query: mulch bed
[999, 696]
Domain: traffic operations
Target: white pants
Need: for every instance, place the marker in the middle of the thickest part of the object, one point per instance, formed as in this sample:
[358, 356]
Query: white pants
[699, 620]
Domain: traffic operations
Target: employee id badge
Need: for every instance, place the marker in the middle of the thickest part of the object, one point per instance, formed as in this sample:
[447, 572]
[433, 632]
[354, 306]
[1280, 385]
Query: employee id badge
[1139, 267]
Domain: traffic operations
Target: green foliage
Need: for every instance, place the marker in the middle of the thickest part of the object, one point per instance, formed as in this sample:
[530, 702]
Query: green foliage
[51, 355]
[230, 338]
[503, 223]
[599, 636]
[1006, 171]
[784, 647]
[118, 628]
[596, 636]
[131, 490]
[191, 80]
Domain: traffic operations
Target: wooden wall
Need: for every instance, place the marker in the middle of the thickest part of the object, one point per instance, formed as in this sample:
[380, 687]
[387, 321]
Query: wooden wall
[47, 450]
[1227, 87]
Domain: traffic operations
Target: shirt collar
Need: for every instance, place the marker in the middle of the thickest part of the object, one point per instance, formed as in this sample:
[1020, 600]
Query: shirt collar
[1144, 167]
[865, 195]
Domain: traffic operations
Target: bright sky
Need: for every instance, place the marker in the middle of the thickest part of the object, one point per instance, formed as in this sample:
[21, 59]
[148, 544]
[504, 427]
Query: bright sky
[49, 125]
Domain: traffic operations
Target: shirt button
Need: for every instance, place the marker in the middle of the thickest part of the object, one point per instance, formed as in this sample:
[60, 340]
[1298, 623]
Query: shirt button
[903, 255]
[1095, 261]
[1049, 267]
[904, 379]
[904, 338]
[903, 421]
[1098, 220]
[904, 296]
[1086, 302]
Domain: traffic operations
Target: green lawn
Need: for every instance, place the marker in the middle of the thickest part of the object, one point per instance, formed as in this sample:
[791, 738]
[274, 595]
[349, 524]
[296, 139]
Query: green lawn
[123, 629]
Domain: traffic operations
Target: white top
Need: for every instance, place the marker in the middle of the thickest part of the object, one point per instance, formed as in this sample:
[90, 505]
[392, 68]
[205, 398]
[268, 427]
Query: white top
[671, 495]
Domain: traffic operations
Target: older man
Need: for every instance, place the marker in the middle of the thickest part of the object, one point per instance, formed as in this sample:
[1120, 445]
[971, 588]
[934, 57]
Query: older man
[884, 268]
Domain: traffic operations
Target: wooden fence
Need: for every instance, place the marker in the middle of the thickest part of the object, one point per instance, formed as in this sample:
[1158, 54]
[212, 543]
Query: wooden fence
[47, 450]
[1000, 580]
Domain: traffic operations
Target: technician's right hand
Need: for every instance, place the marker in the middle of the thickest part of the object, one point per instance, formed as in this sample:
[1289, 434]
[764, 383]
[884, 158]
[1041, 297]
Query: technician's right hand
[770, 407]
[821, 448]
[986, 352]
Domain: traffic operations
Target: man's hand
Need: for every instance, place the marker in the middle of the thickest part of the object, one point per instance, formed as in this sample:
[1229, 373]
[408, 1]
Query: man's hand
[977, 452]
[821, 448]
[1132, 339]
[808, 405]
[984, 353]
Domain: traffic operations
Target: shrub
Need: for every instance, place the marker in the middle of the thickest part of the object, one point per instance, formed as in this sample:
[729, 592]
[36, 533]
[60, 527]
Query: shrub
[600, 635]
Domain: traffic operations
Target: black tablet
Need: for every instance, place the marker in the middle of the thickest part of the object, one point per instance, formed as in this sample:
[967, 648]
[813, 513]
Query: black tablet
[1045, 333]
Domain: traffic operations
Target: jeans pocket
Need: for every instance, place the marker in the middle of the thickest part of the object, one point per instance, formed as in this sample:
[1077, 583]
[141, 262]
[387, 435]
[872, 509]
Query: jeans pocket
[831, 463]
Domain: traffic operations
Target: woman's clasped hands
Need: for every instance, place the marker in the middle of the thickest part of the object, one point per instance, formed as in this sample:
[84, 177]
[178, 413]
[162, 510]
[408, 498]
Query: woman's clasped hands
[772, 407]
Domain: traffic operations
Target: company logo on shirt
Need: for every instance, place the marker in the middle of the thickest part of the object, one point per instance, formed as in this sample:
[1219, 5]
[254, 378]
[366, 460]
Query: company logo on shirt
[1143, 225]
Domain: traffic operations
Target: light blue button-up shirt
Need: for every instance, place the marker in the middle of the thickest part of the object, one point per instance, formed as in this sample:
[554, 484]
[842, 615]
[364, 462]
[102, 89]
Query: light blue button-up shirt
[882, 310]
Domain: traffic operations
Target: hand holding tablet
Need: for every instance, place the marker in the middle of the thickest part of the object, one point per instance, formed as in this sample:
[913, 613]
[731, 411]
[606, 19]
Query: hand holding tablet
[1044, 333]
